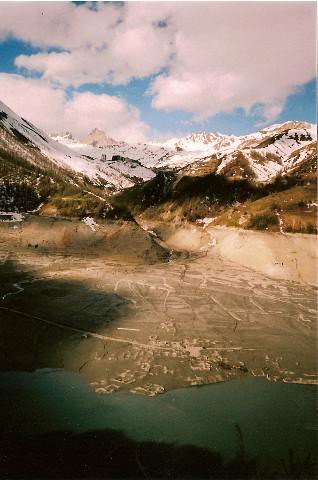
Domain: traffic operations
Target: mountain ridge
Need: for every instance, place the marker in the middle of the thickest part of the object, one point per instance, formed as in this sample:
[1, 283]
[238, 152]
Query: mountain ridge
[195, 183]
[266, 152]
[261, 155]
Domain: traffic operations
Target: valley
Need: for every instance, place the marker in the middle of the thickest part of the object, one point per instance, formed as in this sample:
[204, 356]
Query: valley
[158, 240]
[117, 260]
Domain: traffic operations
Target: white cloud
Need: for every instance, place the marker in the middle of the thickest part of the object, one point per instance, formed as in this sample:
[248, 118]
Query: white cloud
[267, 112]
[108, 113]
[50, 109]
[231, 55]
[216, 56]
[66, 68]
[112, 44]
[129, 55]
[201, 95]
[59, 24]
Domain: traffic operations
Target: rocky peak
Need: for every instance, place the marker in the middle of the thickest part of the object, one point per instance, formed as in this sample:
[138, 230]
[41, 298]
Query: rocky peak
[98, 138]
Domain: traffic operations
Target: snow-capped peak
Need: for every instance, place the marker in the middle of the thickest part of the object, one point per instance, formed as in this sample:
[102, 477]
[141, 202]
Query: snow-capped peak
[201, 141]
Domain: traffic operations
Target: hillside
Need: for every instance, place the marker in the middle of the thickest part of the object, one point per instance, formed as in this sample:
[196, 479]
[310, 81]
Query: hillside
[201, 195]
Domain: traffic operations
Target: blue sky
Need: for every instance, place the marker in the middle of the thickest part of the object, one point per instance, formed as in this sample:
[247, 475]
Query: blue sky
[216, 97]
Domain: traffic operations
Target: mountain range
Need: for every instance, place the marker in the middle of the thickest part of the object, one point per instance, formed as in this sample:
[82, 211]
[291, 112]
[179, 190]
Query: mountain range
[102, 171]
[261, 155]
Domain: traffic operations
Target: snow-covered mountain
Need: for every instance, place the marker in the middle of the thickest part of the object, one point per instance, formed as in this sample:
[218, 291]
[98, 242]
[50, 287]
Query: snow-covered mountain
[147, 155]
[190, 178]
[122, 173]
[271, 151]
[216, 142]
[259, 156]
[202, 141]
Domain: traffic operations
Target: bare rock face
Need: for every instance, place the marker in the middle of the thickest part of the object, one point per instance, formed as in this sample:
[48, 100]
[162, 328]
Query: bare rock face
[98, 138]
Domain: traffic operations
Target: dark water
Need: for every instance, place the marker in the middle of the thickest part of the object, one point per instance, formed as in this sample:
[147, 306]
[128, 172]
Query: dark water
[272, 416]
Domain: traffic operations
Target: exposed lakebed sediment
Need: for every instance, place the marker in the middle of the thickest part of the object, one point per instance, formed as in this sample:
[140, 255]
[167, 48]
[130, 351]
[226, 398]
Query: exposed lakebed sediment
[128, 313]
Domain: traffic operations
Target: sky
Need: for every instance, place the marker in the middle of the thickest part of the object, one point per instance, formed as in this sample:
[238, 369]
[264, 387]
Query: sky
[154, 70]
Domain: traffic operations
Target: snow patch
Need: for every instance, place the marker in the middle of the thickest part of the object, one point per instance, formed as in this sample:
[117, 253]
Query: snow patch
[206, 221]
[11, 217]
[90, 222]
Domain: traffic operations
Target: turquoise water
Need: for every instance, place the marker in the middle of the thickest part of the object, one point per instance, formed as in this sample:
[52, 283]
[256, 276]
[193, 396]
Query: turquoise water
[272, 416]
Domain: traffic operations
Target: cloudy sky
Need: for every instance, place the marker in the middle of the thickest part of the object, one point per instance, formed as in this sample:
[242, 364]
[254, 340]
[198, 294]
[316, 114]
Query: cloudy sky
[158, 69]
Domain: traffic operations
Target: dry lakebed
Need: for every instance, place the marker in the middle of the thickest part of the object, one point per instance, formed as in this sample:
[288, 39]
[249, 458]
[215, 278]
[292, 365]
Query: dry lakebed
[151, 311]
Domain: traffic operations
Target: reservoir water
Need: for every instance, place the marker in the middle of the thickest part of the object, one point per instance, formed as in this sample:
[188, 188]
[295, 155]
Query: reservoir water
[272, 417]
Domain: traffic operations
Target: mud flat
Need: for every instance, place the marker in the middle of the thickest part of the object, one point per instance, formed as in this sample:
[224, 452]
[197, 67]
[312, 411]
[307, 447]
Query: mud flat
[129, 314]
